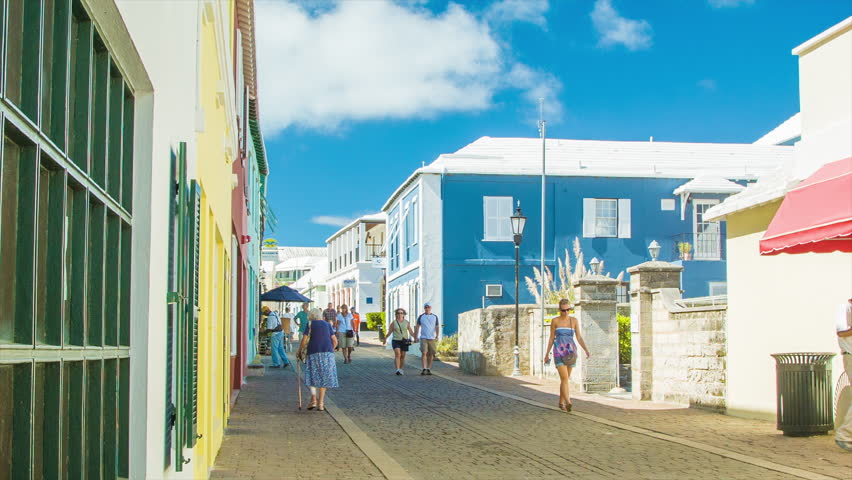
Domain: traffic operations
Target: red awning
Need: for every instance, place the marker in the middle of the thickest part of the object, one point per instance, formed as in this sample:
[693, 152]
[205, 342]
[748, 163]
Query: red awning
[816, 216]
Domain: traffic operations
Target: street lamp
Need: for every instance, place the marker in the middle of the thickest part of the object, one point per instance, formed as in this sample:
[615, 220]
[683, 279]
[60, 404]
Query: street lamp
[595, 264]
[654, 250]
[518, 223]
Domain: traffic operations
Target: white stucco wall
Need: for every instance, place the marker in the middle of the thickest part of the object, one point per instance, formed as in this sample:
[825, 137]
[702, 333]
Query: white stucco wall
[158, 27]
[780, 303]
[825, 91]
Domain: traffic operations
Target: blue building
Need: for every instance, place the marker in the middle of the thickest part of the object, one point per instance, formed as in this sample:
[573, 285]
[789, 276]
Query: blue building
[450, 239]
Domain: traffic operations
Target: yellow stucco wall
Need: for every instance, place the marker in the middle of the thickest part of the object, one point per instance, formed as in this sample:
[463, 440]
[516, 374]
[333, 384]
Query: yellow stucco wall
[214, 175]
[780, 303]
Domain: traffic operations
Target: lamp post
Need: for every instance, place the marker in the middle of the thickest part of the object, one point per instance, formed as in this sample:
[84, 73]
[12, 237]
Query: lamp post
[518, 223]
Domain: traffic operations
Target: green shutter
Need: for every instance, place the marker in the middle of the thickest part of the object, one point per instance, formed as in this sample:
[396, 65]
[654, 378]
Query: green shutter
[191, 364]
[171, 309]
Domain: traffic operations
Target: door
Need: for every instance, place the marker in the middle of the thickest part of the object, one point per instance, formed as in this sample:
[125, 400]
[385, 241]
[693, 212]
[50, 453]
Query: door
[707, 235]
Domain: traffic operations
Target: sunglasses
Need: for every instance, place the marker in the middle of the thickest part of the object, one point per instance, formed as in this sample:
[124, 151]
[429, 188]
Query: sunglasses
[565, 309]
[400, 313]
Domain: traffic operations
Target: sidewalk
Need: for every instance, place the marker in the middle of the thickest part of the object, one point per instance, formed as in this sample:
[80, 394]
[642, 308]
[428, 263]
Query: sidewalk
[269, 438]
[754, 438]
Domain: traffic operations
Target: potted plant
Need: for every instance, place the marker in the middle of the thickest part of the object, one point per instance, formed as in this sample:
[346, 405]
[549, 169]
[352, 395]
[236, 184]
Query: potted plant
[685, 249]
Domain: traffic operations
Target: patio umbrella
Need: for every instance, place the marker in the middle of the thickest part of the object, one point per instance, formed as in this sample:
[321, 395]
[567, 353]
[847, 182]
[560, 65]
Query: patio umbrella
[284, 294]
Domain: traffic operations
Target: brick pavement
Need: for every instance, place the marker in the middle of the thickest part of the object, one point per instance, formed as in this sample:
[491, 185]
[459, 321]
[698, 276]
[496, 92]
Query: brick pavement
[269, 438]
[435, 428]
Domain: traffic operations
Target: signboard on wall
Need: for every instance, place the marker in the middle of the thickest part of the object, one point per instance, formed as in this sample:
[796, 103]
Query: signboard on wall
[350, 283]
[379, 262]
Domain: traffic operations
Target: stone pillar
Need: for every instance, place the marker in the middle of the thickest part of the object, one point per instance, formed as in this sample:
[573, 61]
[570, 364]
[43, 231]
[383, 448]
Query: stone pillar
[645, 278]
[595, 301]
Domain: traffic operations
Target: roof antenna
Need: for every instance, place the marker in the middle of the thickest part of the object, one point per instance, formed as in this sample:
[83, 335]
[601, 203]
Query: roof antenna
[651, 139]
[423, 164]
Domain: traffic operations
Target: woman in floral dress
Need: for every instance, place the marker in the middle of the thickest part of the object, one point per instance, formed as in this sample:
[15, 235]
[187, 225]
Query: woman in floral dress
[318, 343]
[563, 329]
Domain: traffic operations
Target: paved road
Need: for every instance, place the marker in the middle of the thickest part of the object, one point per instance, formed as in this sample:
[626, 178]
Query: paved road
[435, 428]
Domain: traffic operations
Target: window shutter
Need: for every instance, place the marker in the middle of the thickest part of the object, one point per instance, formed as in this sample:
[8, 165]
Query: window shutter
[588, 218]
[194, 240]
[171, 310]
[623, 218]
[489, 207]
[505, 220]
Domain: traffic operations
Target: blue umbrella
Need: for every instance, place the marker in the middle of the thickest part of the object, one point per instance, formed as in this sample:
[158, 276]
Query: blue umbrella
[284, 294]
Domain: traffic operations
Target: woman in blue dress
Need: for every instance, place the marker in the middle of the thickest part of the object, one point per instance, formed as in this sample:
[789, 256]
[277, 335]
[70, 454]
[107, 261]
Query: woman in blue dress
[318, 343]
[563, 330]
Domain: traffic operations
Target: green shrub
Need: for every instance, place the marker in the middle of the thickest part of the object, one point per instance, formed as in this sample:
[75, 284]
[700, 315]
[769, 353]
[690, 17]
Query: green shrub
[375, 320]
[449, 346]
[623, 339]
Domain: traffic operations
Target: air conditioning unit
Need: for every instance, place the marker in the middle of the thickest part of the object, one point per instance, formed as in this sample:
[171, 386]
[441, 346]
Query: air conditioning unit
[494, 290]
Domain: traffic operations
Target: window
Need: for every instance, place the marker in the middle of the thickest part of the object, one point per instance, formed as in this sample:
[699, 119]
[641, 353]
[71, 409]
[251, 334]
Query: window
[65, 234]
[606, 218]
[718, 288]
[369, 300]
[708, 235]
[498, 227]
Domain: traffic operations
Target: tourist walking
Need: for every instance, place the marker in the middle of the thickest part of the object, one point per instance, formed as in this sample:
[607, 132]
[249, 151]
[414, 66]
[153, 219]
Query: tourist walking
[426, 332]
[843, 433]
[400, 330]
[302, 320]
[287, 327]
[356, 325]
[317, 350]
[276, 340]
[345, 333]
[563, 330]
[330, 314]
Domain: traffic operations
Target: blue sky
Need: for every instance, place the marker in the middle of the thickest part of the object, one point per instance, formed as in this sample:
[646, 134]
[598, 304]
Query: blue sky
[356, 94]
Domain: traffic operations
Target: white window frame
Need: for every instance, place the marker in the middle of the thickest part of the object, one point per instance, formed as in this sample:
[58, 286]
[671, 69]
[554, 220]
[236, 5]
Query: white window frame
[598, 203]
[705, 249]
[499, 203]
[622, 217]
[415, 226]
[712, 285]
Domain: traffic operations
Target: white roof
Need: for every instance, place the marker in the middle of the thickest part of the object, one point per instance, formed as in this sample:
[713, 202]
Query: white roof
[823, 37]
[380, 217]
[790, 129]
[709, 184]
[317, 276]
[596, 158]
[300, 263]
[766, 189]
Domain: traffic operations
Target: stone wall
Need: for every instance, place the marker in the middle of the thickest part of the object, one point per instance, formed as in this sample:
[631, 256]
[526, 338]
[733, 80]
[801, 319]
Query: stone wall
[679, 349]
[487, 340]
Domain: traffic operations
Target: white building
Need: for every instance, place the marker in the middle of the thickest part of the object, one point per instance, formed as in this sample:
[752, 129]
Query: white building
[286, 265]
[356, 264]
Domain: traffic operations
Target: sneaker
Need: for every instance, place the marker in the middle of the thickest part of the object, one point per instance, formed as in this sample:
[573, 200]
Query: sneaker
[423, 372]
[399, 372]
[844, 445]
[428, 371]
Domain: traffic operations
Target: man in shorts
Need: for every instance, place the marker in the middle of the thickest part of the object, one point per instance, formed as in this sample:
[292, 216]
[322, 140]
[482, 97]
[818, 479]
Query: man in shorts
[427, 330]
[345, 333]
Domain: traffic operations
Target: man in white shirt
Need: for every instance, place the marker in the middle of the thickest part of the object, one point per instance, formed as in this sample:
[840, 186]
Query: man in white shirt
[276, 340]
[843, 433]
[427, 331]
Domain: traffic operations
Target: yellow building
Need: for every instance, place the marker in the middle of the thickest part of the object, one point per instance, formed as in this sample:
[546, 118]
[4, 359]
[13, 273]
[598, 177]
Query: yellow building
[216, 143]
[788, 302]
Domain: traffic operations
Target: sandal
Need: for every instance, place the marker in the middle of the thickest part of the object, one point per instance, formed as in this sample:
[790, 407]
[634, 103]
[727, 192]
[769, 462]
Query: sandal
[562, 406]
[568, 407]
[312, 405]
[321, 408]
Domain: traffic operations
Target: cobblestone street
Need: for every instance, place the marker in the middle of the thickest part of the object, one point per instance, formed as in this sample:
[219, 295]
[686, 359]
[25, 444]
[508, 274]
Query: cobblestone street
[452, 425]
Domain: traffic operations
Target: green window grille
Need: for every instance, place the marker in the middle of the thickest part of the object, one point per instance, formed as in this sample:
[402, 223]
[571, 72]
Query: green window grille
[182, 327]
[66, 183]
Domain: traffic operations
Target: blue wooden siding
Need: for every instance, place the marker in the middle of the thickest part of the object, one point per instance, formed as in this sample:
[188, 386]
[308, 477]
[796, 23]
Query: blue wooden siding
[470, 263]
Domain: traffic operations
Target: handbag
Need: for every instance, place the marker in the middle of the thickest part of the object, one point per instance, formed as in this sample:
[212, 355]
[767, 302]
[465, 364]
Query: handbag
[404, 341]
[350, 333]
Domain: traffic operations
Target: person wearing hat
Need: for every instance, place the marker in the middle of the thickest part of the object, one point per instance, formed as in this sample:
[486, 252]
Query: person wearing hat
[427, 331]
[276, 340]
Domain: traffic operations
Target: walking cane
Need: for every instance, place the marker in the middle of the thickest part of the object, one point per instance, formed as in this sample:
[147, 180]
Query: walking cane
[299, 379]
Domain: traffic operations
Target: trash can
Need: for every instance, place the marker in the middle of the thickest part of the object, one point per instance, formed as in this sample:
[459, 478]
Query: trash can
[803, 389]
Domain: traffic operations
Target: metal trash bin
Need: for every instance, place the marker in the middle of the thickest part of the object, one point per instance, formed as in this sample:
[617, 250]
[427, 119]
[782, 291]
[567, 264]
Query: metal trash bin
[803, 389]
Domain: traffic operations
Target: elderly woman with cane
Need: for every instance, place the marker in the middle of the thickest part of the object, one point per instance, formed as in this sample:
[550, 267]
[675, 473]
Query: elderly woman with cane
[317, 350]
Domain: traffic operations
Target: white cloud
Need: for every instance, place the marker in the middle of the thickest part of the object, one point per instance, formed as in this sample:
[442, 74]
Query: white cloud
[380, 59]
[331, 220]
[536, 85]
[729, 3]
[707, 84]
[509, 11]
[615, 29]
